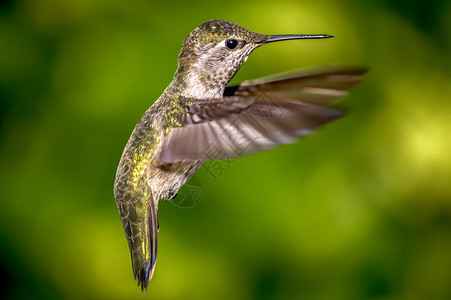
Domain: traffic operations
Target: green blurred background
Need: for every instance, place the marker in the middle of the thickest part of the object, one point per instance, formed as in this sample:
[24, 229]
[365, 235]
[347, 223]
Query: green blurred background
[361, 210]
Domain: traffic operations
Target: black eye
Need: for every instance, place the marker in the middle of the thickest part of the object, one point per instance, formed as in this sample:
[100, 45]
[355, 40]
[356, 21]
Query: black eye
[231, 44]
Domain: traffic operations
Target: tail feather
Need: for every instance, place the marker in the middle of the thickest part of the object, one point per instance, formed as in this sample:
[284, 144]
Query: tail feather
[141, 229]
[145, 255]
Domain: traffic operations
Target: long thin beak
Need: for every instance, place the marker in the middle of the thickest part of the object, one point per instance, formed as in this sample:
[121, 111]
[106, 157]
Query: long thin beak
[285, 37]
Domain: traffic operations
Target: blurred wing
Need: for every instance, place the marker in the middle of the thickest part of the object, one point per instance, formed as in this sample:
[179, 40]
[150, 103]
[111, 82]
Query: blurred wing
[257, 115]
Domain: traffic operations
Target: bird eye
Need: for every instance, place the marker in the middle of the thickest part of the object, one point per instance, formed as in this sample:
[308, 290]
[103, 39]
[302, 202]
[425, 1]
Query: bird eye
[231, 44]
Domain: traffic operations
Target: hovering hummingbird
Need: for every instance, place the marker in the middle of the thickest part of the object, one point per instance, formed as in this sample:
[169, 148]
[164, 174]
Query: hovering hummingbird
[198, 117]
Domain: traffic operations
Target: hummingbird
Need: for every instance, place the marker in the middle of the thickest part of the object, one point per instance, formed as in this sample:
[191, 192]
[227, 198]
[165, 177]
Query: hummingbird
[200, 117]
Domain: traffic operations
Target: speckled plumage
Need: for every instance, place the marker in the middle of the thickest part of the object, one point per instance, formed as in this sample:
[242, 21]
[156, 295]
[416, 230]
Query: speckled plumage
[197, 111]
[141, 182]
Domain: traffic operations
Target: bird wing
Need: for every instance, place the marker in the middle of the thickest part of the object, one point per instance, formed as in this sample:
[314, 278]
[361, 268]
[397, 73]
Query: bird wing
[258, 115]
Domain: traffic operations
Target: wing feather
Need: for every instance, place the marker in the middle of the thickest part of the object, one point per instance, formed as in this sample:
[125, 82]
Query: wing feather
[258, 115]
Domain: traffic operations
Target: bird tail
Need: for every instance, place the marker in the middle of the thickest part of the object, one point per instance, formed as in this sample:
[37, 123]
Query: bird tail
[141, 229]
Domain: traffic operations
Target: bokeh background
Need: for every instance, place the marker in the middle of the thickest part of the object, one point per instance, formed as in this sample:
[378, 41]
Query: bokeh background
[360, 210]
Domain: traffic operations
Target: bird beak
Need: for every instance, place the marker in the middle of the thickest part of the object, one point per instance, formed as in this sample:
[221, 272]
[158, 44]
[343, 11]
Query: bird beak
[285, 37]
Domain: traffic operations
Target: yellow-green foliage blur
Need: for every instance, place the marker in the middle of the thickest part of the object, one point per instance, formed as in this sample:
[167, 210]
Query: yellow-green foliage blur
[359, 210]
